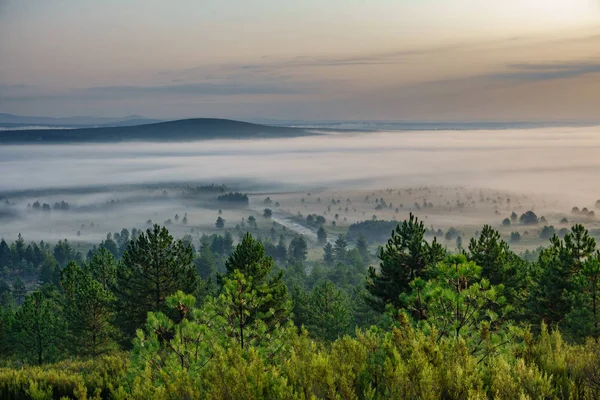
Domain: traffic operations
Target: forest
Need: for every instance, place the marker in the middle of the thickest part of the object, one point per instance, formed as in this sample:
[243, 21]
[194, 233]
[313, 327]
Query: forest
[144, 315]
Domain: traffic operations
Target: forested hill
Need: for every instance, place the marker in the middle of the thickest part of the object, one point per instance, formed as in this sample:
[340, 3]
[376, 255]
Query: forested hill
[180, 130]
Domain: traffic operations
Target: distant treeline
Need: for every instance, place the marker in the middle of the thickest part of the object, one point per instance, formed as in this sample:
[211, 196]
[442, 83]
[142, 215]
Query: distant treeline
[375, 231]
[212, 188]
[234, 198]
[62, 205]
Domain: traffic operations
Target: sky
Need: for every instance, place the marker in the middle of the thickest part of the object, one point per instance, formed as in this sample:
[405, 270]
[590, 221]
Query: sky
[393, 60]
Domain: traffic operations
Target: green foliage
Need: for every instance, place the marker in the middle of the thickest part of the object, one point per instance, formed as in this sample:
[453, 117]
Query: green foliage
[154, 267]
[328, 255]
[376, 231]
[19, 290]
[321, 235]
[103, 268]
[326, 312]
[363, 248]
[406, 256]
[87, 307]
[529, 218]
[340, 249]
[96, 378]
[561, 277]
[234, 198]
[298, 249]
[38, 329]
[426, 325]
[492, 254]
[249, 285]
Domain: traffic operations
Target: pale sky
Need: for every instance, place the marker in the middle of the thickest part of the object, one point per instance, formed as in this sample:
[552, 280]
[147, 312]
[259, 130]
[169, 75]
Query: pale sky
[429, 60]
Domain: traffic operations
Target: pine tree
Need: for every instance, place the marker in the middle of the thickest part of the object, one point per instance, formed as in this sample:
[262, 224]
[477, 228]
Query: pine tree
[281, 252]
[87, 307]
[459, 303]
[328, 256]
[363, 247]
[491, 253]
[340, 248]
[103, 267]
[154, 266]
[19, 290]
[298, 249]
[38, 329]
[327, 311]
[206, 263]
[249, 269]
[558, 264]
[321, 235]
[405, 257]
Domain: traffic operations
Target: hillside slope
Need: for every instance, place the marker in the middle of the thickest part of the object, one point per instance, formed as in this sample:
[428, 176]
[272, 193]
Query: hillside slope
[180, 130]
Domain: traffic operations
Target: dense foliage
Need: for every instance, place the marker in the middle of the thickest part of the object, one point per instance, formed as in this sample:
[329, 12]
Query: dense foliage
[145, 315]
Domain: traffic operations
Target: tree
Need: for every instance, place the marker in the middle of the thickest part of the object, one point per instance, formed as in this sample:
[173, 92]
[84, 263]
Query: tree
[491, 253]
[88, 312]
[328, 256]
[514, 217]
[405, 257]
[459, 244]
[529, 218]
[547, 232]
[49, 270]
[459, 304]
[506, 222]
[19, 290]
[281, 251]
[249, 274]
[5, 255]
[18, 249]
[154, 267]
[220, 224]
[206, 263]
[363, 247]
[327, 312]
[38, 329]
[63, 252]
[103, 267]
[558, 264]
[584, 317]
[6, 298]
[110, 245]
[298, 249]
[340, 248]
[267, 213]
[252, 222]
[321, 235]
[170, 351]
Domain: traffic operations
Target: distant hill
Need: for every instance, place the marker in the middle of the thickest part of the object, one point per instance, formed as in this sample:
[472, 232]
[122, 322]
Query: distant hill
[173, 131]
[11, 120]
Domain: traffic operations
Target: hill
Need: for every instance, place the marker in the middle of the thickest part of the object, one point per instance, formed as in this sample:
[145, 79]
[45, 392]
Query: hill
[172, 131]
[11, 120]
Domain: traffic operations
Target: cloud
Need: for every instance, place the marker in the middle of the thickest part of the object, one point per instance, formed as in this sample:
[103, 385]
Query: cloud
[190, 89]
[547, 71]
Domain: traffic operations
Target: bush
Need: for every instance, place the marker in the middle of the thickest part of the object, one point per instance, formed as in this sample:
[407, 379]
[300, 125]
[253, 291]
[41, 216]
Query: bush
[95, 378]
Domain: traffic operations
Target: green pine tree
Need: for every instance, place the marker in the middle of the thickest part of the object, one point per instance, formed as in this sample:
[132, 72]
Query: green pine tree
[154, 267]
[38, 329]
[405, 257]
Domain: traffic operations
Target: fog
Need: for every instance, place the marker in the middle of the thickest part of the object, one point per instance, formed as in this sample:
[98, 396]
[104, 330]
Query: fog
[558, 165]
